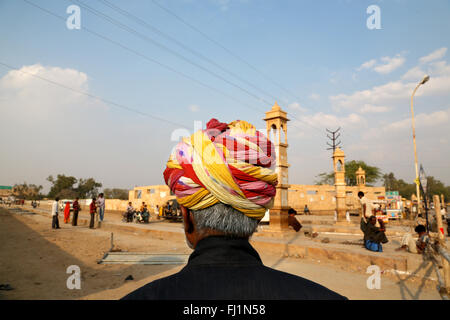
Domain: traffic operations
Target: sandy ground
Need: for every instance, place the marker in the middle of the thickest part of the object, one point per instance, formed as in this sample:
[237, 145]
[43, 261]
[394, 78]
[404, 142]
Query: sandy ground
[34, 259]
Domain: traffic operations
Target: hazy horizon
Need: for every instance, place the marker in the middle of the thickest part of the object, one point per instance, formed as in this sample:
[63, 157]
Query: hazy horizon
[321, 63]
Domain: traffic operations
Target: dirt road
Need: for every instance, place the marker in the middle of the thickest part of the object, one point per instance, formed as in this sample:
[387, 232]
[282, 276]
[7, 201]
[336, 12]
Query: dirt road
[34, 259]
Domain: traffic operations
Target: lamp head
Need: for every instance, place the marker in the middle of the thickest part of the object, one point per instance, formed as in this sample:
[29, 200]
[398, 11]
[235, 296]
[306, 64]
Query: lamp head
[425, 79]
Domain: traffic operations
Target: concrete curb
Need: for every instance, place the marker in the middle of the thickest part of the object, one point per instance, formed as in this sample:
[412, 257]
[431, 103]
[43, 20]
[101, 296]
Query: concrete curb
[348, 260]
[353, 261]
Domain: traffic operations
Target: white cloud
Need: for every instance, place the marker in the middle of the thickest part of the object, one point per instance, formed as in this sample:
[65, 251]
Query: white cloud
[385, 65]
[25, 76]
[377, 96]
[429, 121]
[367, 65]
[297, 106]
[389, 95]
[322, 120]
[36, 98]
[439, 68]
[390, 64]
[368, 108]
[435, 55]
[415, 73]
[314, 96]
[421, 120]
[194, 108]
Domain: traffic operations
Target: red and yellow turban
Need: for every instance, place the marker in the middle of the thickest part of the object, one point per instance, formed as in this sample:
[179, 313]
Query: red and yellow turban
[228, 163]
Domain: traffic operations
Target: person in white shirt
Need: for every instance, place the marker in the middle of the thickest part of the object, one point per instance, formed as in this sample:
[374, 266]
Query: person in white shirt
[101, 206]
[366, 206]
[55, 209]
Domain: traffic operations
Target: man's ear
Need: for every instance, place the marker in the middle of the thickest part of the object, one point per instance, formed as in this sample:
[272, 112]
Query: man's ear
[187, 219]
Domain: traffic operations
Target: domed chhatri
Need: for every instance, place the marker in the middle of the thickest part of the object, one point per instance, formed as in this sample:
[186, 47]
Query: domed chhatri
[276, 107]
[338, 152]
[360, 177]
[360, 171]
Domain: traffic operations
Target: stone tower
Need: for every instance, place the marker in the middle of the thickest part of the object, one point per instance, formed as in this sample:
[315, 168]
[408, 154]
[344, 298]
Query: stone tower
[339, 183]
[360, 177]
[276, 120]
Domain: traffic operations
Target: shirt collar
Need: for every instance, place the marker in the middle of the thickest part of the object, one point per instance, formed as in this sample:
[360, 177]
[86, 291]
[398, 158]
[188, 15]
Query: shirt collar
[224, 250]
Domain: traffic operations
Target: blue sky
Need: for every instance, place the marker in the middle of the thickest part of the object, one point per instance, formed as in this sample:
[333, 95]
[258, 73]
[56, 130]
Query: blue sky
[339, 72]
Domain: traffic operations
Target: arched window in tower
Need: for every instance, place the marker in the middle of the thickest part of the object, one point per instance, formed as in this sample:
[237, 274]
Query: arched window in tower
[274, 134]
[282, 135]
[363, 180]
[339, 165]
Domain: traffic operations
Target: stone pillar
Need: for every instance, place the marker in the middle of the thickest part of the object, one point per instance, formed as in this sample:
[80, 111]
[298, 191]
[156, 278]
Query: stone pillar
[276, 120]
[339, 183]
[360, 177]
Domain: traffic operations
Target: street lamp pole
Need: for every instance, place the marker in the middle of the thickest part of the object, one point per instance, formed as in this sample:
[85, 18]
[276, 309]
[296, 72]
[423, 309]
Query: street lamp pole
[424, 80]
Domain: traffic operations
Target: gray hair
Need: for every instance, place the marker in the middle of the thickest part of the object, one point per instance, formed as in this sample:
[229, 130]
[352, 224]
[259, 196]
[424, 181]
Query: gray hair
[226, 219]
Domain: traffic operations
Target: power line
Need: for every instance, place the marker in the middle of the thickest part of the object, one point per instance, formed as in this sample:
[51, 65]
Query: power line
[156, 43]
[224, 48]
[123, 12]
[196, 53]
[158, 63]
[147, 58]
[231, 53]
[93, 96]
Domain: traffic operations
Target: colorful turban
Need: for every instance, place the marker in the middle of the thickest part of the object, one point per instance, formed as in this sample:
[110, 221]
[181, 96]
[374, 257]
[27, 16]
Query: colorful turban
[228, 163]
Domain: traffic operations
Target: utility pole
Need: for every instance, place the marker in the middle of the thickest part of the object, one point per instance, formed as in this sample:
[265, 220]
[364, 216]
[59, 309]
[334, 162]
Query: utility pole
[424, 80]
[335, 136]
[441, 234]
[422, 184]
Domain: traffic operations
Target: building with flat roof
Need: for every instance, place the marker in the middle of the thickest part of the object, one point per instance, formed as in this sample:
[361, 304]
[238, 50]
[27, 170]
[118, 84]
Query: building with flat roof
[5, 191]
[151, 195]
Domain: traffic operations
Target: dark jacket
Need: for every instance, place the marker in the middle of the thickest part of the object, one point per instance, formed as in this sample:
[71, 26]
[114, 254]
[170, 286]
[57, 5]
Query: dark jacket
[221, 268]
[373, 233]
[293, 222]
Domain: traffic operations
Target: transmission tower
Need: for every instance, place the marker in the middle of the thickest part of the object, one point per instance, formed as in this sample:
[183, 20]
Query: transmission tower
[335, 136]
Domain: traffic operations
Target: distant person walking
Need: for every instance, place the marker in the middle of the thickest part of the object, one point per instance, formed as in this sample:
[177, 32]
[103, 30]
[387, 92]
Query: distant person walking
[366, 206]
[76, 209]
[161, 211]
[292, 221]
[67, 212]
[306, 210]
[101, 206]
[55, 221]
[92, 211]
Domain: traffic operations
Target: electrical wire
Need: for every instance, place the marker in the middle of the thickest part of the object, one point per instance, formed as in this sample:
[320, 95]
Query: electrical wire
[109, 102]
[224, 48]
[159, 63]
[161, 46]
[180, 44]
[146, 57]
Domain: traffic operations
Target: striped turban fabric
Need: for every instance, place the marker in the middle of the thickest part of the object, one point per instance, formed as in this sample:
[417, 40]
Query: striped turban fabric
[228, 163]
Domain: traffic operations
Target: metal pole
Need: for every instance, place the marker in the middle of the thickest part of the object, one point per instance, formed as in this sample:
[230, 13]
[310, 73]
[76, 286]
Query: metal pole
[437, 209]
[419, 208]
[441, 232]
